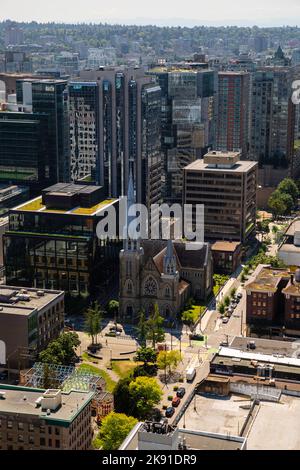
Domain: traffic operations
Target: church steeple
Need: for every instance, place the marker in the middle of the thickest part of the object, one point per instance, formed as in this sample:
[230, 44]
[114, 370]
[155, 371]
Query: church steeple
[130, 244]
[170, 267]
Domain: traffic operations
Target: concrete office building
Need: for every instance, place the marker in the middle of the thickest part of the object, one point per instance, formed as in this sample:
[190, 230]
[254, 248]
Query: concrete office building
[233, 112]
[129, 129]
[29, 320]
[226, 186]
[37, 419]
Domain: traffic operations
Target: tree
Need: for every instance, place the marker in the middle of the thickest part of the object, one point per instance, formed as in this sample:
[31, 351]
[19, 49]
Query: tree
[276, 204]
[113, 309]
[221, 308]
[114, 429]
[61, 350]
[227, 301]
[49, 378]
[142, 328]
[163, 362]
[146, 355]
[93, 318]
[146, 393]
[232, 292]
[154, 330]
[289, 187]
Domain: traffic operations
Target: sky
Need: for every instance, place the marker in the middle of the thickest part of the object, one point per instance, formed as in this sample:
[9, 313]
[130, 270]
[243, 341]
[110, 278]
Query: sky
[160, 12]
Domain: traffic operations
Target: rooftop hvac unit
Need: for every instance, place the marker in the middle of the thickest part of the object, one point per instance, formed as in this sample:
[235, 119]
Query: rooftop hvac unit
[2, 395]
[40, 293]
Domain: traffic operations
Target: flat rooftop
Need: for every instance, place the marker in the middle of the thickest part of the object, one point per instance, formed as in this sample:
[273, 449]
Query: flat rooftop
[194, 439]
[241, 166]
[225, 246]
[22, 400]
[238, 356]
[266, 346]
[267, 279]
[36, 205]
[215, 414]
[276, 426]
[12, 303]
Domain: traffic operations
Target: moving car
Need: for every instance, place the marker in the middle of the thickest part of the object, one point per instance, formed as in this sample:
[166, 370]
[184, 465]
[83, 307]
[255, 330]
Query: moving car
[175, 401]
[170, 411]
[190, 374]
[180, 392]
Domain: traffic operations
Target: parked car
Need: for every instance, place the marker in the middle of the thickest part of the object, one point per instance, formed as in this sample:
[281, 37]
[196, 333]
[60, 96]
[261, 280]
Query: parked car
[196, 337]
[239, 295]
[170, 411]
[233, 305]
[224, 344]
[180, 392]
[230, 310]
[175, 401]
[225, 320]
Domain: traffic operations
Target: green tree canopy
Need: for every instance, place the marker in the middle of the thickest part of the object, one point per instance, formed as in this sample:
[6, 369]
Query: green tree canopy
[113, 308]
[146, 392]
[288, 186]
[154, 330]
[114, 429]
[61, 350]
[278, 203]
[93, 318]
[146, 355]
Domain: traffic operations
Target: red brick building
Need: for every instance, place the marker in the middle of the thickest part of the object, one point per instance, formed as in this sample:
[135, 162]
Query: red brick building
[226, 256]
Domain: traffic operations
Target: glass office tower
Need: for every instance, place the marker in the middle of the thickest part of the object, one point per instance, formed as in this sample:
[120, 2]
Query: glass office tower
[84, 131]
[50, 98]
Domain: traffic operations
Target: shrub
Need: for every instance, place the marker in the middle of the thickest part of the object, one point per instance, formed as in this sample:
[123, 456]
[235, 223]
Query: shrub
[165, 407]
[175, 388]
[170, 397]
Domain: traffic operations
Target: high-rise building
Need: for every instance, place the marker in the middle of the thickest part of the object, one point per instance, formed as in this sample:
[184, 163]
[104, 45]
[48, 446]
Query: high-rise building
[129, 132]
[50, 98]
[17, 62]
[24, 150]
[13, 35]
[226, 186]
[233, 112]
[272, 117]
[84, 130]
[187, 120]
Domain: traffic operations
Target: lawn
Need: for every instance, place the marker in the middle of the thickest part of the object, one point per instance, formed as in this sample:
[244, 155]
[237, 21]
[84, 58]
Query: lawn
[124, 368]
[110, 384]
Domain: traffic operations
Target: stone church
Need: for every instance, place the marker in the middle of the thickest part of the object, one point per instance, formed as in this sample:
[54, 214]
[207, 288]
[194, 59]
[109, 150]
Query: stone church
[162, 272]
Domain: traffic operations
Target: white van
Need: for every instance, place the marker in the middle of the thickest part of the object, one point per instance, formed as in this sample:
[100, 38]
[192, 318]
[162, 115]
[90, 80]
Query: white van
[190, 374]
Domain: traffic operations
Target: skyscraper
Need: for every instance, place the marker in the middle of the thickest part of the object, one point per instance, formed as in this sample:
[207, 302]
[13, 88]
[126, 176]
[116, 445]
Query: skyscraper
[84, 130]
[233, 112]
[187, 120]
[50, 98]
[272, 116]
[129, 132]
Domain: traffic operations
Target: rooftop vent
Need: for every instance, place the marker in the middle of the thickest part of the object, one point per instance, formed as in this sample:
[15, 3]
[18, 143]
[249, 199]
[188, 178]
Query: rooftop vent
[40, 293]
[2, 395]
